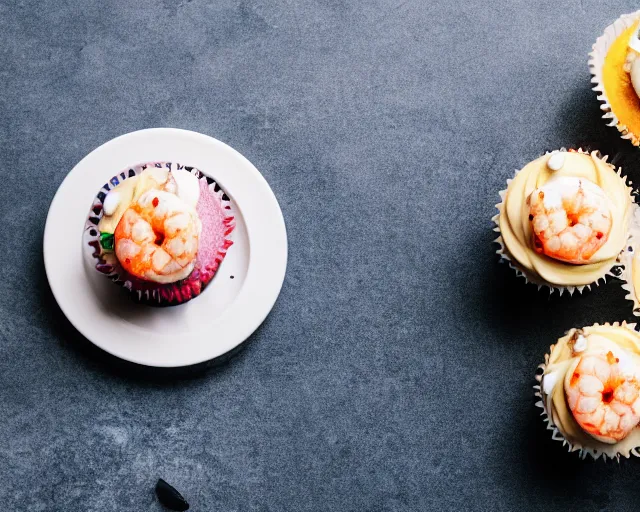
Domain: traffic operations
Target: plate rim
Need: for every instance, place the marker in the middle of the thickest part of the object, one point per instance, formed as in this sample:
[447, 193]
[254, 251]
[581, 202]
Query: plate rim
[268, 300]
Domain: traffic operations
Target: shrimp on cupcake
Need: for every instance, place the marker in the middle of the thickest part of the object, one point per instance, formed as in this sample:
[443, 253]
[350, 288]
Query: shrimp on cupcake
[604, 401]
[589, 390]
[157, 237]
[571, 219]
[565, 219]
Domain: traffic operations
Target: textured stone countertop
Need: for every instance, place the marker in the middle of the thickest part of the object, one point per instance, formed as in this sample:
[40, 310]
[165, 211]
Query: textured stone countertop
[396, 370]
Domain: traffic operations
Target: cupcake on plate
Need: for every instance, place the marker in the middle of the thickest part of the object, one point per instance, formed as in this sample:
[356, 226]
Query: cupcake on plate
[564, 220]
[615, 70]
[589, 390]
[160, 230]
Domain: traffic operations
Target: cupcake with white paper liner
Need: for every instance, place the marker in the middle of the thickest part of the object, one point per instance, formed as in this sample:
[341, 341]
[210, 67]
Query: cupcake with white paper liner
[630, 259]
[615, 70]
[564, 220]
[589, 390]
[160, 230]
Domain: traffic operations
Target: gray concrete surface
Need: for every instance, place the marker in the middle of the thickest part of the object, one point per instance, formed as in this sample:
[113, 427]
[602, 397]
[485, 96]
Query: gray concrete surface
[396, 370]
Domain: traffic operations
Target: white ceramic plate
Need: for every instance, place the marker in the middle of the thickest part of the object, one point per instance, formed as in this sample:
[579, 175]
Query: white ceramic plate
[208, 326]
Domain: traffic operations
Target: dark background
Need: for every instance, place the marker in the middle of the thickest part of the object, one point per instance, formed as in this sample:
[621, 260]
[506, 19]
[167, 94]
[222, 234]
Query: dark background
[396, 370]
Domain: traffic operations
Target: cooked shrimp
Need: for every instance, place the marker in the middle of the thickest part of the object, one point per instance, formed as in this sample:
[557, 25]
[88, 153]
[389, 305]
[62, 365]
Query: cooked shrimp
[571, 219]
[603, 400]
[157, 237]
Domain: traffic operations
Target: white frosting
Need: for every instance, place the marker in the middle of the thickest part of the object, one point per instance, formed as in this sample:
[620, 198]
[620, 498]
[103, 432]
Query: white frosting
[159, 174]
[580, 344]
[634, 42]
[556, 161]
[552, 198]
[632, 63]
[549, 381]
[188, 186]
[627, 366]
[111, 202]
[635, 75]
[567, 186]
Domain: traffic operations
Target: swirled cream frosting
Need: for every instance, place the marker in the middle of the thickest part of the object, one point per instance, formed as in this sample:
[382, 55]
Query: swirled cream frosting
[515, 224]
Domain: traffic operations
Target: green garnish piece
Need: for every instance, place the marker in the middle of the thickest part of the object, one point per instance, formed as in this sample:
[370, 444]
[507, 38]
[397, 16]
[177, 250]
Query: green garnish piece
[106, 241]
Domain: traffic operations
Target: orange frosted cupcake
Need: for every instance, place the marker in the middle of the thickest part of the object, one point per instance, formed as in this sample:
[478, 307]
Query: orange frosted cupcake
[615, 67]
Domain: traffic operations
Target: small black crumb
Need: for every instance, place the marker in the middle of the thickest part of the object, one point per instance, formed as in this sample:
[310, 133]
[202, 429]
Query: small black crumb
[170, 497]
[232, 277]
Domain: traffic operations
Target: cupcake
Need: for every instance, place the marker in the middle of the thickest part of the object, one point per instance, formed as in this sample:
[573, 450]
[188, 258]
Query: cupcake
[160, 230]
[564, 220]
[615, 67]
[630, 259]
[589, 390]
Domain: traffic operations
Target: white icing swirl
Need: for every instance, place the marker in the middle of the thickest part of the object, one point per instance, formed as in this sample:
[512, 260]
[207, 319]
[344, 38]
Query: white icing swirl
[188, 186]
